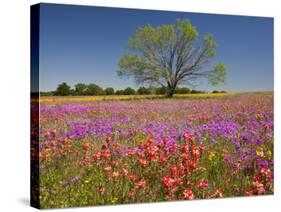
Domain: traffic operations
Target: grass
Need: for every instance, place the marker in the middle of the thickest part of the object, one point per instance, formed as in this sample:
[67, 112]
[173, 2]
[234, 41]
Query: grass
[53, 99]
[190, 147]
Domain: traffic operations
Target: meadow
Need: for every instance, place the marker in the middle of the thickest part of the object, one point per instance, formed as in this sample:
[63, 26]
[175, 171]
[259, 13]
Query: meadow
[96, 152]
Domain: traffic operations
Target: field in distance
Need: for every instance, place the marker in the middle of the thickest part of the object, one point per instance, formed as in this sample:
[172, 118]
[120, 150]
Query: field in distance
[50, 99]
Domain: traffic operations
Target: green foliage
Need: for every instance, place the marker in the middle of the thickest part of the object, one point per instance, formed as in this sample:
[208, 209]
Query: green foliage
[144, 91]
[109, 91]
[93, 89]
[135, 66]
[72, 92]
[197, 92]
[80, 89]
[182, 90]
[215, 91]
[119, 92]
[210, 44]
[218, 75]
[63, 89]
[129, 91]
[48, 93]
[161, 90]
[148, 39]
[168, 56]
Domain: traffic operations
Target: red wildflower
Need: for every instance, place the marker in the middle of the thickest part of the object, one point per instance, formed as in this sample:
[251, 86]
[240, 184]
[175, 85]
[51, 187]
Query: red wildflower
[140, 144]
[249, 192]
[108, 139]
[195, 151]
[115, 174]
[188, 194]
[265, 172]
[101, 189]
[257, 178]
[152, 151]
[258, 185]
[185, 148]
[201, 148]
[125, 171]
[163, 159]
[47, 135]
[142, 162]
[165, 140]
[103, 147]
[186, 135]
[86, 145]
[168, 182]
[53, 143]
[53, 132]
[133, 177]
[131, 193]
[186, 157]
[140, 184]
[173, 169]
[192, 165]
[202, 184]
[106, 154]
[107, 169]
[189, 138]
[150, 141]
[181, 170]
[218, 193]
[97, 155]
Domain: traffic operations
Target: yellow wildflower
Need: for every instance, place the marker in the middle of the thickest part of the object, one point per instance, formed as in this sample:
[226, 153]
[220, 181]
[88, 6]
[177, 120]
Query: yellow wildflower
[114, 200]
[260, 152]
[269, 154]
[211, 156]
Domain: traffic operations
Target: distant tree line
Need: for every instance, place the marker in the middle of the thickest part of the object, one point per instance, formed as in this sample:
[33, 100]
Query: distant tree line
[81, 89]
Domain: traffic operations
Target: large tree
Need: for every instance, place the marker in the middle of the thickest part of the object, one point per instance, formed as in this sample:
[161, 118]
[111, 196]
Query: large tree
[80, 89]
[170, 55]
[63, 89]
[93, 89]
[109, 91]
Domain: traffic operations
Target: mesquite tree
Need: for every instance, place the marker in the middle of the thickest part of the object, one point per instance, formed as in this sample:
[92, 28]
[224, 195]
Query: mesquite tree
[170, 55]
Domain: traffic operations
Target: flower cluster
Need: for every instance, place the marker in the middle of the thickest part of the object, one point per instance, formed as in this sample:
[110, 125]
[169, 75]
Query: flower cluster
[111, 152]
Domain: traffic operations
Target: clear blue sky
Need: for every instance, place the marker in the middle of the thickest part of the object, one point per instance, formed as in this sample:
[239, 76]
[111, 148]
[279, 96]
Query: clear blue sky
[85, 43]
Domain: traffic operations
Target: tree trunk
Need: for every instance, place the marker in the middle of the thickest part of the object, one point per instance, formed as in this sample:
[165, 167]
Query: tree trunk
[170, 92]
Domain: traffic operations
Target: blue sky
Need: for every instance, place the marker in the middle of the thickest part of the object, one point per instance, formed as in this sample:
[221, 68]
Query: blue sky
[85, 43]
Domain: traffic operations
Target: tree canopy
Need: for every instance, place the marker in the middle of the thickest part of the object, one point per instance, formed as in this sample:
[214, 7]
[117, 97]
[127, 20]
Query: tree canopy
[92, 89]
[63, 89]
[170, 55]
[109, 91]
[80, 89]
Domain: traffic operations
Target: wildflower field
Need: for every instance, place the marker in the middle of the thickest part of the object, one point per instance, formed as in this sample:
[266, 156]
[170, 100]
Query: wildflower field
[147, 150]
